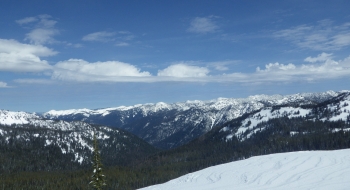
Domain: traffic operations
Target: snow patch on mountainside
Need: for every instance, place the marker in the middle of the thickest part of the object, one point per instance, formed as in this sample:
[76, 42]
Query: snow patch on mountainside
[321, 170]
[267, 114]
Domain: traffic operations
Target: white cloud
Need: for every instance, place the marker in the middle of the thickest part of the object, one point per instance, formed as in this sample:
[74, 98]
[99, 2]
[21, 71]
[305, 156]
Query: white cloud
[321, 57]
[112, 71]
[323, 36]
[42, 29]
[102, 36]
[18, 57]
[276, 67]
[203, 25]
[183, 70]
[3, 85]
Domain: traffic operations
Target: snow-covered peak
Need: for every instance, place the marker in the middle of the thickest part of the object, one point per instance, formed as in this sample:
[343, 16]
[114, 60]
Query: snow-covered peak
[160, 106]
[68, 112]
[10, 117]
[265, 97]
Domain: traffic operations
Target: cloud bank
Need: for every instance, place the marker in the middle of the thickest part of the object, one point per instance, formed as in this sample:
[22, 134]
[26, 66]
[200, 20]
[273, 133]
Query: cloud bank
[20, 57]
[321, 67]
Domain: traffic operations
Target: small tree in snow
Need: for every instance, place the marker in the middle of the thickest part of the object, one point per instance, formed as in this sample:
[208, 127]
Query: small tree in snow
[97, 178]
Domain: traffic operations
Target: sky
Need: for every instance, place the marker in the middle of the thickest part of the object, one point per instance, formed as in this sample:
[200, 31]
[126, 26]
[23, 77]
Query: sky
[98, 54]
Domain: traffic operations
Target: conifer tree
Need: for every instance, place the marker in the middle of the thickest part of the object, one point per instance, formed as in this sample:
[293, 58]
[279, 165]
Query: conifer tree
[97, 178]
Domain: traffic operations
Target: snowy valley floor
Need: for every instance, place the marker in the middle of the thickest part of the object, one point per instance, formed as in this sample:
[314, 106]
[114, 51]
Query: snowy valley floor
[319, 170]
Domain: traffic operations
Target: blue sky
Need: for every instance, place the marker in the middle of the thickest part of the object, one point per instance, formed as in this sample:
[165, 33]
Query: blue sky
[97, 54]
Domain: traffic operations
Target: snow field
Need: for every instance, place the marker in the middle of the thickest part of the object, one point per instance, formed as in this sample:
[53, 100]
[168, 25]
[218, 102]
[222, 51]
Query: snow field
[321, 170]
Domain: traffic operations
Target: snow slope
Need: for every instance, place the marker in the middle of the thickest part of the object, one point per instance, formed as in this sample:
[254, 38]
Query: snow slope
[319, 170]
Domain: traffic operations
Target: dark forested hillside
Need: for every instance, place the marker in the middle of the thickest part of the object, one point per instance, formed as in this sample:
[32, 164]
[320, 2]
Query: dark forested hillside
[32, 148]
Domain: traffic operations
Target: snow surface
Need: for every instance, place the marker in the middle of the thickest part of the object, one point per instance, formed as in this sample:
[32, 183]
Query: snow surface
[319, 170]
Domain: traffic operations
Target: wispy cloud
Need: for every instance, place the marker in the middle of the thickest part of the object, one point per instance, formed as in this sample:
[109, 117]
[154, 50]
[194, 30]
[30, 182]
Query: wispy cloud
[322, 36]
[34, 81]
[42, 29]
[3, 85]
[125, 35]
[19, 57]
[121, 44]
[121, 38]
[102, 36]
[27, 20]
[222, 65]
[203, 25]
[73, 45]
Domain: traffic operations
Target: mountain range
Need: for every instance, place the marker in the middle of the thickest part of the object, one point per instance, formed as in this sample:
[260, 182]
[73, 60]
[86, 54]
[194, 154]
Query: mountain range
[168, 126]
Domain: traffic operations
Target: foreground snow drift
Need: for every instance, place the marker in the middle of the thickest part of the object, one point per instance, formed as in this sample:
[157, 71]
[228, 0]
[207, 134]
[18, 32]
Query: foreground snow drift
[296, 170]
